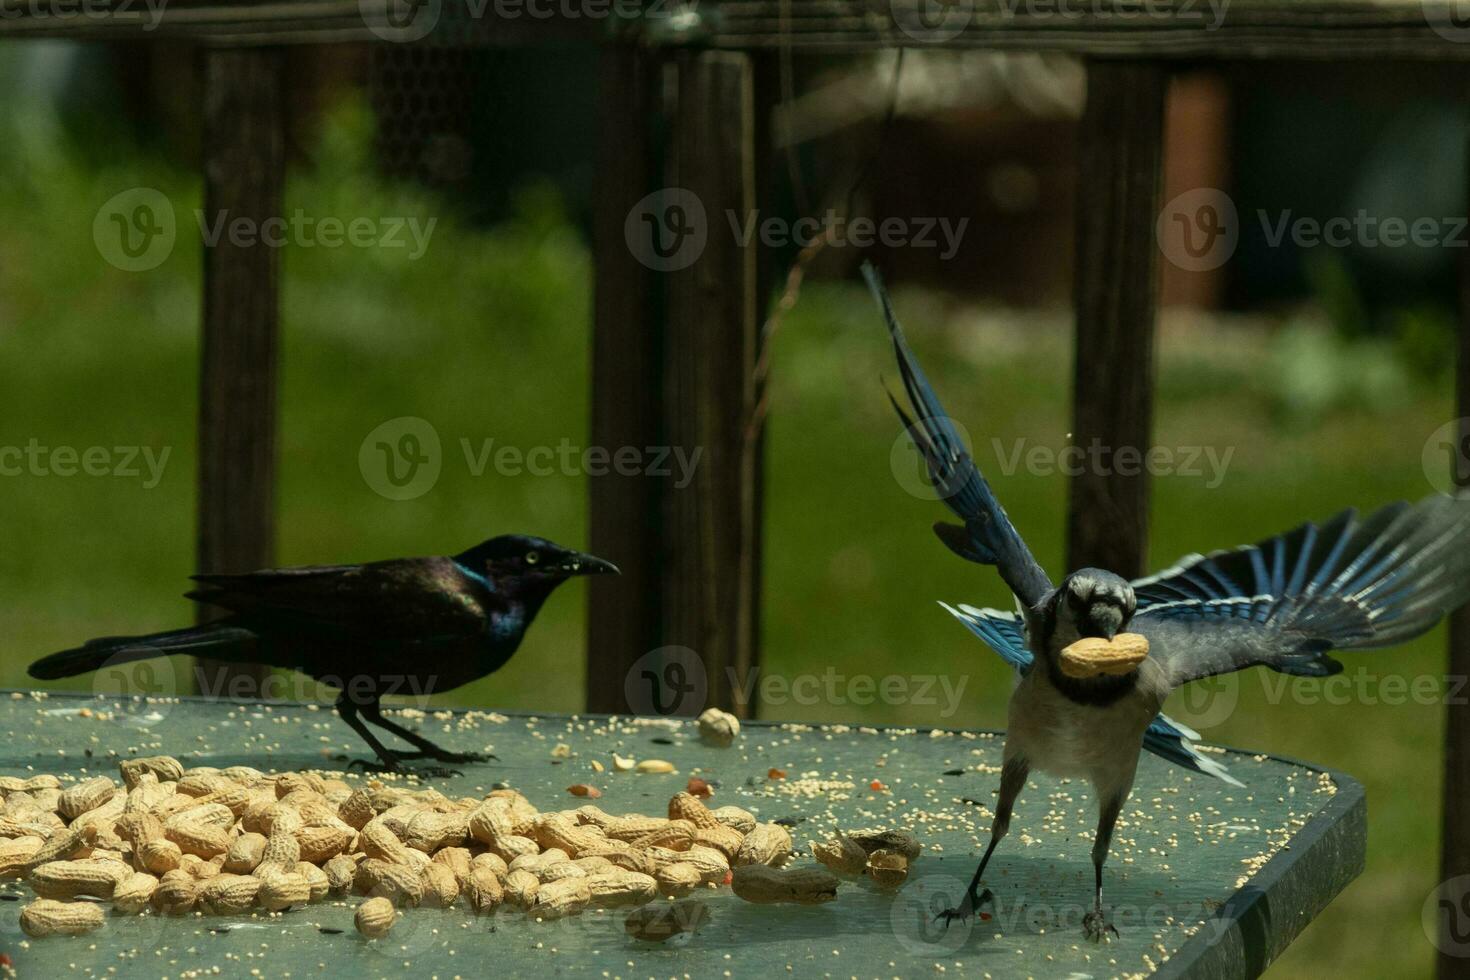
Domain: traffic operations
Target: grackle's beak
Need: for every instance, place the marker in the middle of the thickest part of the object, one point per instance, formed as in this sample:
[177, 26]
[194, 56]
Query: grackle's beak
[588, 565]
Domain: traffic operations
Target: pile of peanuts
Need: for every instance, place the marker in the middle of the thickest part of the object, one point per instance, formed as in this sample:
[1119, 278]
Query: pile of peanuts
[235, 841]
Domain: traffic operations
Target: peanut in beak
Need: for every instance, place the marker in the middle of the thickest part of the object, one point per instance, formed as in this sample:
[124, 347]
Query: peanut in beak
[1093, 656]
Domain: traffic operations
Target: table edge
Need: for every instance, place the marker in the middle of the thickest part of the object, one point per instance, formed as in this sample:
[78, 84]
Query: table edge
[1241, 940]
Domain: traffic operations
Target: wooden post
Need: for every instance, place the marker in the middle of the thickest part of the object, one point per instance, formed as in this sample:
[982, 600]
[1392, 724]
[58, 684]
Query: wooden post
[1122, 140]
[674, 354]
[1455, 827]
[711, 584]
[244, 162]
[622, 611]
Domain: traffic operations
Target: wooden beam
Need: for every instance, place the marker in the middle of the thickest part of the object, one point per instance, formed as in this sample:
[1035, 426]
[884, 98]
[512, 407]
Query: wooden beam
[244, 163]
[1454, 859]
[1122, 140]
[712, 526]
[674, 351]
[622, 611]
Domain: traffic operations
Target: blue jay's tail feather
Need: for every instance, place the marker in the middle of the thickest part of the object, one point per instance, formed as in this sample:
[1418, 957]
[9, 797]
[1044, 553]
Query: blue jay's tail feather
[988, 537]
[213, 639]
[1165, 737]
[1173, 742]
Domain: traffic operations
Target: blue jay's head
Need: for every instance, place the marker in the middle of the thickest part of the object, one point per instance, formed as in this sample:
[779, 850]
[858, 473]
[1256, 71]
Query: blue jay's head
[1092, 602]
[528, 559]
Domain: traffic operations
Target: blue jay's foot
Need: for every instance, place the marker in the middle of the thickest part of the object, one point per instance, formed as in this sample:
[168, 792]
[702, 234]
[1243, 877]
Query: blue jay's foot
[966, 908]
[1095, 926]
[391, 763]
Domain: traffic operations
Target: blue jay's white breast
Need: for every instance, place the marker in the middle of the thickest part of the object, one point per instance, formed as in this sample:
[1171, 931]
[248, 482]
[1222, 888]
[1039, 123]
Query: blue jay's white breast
[1059, 736]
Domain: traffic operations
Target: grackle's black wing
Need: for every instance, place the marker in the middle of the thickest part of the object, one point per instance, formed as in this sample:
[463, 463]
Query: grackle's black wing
[988, 537]
[403, 599]
[1284, 603]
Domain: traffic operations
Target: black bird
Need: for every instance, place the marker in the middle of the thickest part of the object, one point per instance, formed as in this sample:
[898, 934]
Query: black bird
[420, 624]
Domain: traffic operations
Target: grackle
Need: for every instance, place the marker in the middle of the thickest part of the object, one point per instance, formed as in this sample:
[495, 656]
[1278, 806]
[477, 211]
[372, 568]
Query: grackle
[1349, 583]
[424, 624]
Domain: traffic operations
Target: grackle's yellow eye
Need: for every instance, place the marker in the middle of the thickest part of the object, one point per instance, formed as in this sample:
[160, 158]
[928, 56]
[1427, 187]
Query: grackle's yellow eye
[532, 557]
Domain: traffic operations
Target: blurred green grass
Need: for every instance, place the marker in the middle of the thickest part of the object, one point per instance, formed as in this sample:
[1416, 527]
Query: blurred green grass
[487, 337]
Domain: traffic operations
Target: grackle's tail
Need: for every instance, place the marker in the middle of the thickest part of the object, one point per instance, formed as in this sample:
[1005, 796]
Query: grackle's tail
[212, 639]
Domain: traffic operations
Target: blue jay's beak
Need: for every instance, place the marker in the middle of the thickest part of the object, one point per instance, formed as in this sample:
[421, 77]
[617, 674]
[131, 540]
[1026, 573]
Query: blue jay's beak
[1106, 619]
[588, 565]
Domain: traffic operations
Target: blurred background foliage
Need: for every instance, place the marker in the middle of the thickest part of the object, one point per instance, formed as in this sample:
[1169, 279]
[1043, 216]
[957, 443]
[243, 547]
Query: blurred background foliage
[1323, 397]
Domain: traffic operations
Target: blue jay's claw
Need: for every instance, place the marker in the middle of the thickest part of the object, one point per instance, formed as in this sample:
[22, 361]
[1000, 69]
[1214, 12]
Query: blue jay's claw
[1095, 926]
[966, 908]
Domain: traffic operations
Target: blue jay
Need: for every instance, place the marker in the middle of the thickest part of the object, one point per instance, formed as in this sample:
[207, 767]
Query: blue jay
[1349, 583]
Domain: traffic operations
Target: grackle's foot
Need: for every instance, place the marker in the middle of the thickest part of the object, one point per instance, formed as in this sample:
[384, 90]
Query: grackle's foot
[459, 758]
[1095, 926]
[392, 764]
[966, 908]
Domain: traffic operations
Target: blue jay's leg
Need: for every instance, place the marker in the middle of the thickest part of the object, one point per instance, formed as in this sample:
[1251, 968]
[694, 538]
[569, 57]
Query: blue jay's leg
[1095, 924]
[427, 749]
[1012, 778]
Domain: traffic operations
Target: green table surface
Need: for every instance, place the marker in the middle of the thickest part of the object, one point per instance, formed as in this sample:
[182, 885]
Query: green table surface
[1205, 880]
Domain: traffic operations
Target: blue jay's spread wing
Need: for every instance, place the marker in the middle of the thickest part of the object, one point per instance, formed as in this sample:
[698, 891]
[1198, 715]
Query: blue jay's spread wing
[1005, 633]
[988, 536]
[1349, 584]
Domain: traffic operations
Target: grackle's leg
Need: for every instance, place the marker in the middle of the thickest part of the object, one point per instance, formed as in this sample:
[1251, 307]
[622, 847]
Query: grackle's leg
[1012, 779]
[1095, 924]
[428, 750]
[349, 711]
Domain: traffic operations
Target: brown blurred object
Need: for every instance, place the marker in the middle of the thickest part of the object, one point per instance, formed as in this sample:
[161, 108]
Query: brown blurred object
[1196, 154]
[1011, 170]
